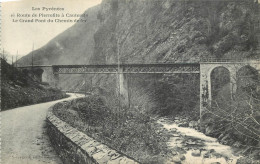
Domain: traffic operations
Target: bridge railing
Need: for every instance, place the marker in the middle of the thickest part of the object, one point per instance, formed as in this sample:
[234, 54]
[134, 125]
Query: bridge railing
[227, 60]
[82, 92]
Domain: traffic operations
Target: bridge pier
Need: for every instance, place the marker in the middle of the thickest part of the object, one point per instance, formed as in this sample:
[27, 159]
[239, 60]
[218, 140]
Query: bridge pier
[56, 80]
[123, 89]
[205, 91]
[233, 83]
[206, 69]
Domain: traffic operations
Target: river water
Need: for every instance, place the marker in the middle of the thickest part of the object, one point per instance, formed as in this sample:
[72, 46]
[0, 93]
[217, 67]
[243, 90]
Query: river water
[194, 147]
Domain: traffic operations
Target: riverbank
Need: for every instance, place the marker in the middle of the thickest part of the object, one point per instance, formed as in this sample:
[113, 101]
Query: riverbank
[149, 139]
[204, 147]
[129, 132]
[189, 146]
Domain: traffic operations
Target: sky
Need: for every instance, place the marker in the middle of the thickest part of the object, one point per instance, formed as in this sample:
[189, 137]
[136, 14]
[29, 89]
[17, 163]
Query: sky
[21, 36]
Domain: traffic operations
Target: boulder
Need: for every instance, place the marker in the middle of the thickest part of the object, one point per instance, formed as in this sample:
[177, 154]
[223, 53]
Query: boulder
[196, 153]
[186, 148]
[190, 142]
[173, 129]
[182, 157]
[173, 152]
[209, 130]
[212, 151]
[184, 124]
[193, 124]
[176, 160]
[206, 155]
[175, 135]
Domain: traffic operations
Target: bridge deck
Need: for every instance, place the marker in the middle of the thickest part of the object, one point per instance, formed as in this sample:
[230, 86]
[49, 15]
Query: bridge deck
[127, 68]
[162, 68]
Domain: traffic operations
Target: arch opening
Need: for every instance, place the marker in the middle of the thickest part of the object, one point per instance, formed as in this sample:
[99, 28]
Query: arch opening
[220, 85]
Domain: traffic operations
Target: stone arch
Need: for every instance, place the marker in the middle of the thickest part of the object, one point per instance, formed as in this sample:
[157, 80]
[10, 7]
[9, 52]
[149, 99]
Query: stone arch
[247, 77]
[206, 69]
[219, 66]
[220, 84]
[208, 76]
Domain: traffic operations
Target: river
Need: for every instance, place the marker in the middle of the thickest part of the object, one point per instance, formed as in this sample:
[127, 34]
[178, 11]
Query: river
[193, 147]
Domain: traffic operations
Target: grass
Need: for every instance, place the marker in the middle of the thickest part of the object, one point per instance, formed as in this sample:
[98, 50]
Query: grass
[130, 131]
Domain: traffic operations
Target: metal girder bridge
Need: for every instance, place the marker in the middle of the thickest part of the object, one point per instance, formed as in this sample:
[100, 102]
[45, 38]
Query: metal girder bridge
[128, 68]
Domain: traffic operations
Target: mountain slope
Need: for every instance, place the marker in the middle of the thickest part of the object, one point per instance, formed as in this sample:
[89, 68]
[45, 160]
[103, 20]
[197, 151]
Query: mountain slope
[169, 31]
[155, 31]
[73, 46]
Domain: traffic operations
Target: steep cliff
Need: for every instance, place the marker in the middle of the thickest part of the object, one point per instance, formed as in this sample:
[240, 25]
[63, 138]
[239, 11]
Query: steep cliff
[169, 31]
[155, 31]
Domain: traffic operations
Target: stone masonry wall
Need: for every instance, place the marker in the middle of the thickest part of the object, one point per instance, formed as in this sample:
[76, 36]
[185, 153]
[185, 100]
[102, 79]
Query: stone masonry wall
[75, 147]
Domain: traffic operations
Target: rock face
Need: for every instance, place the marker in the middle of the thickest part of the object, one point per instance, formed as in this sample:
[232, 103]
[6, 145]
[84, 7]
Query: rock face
[170, 31]
[155, 31]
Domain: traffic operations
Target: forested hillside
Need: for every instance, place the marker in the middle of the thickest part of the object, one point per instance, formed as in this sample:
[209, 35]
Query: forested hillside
[20, 88]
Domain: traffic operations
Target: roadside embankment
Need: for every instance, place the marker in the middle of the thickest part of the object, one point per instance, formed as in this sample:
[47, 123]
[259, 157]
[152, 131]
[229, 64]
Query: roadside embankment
[76, 147]
[20, 89]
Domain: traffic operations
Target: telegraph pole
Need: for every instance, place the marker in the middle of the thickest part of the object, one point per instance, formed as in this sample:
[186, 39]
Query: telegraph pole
[3, 53]
[85, 78]
[32, 55]
[16, 59]
[118, 78]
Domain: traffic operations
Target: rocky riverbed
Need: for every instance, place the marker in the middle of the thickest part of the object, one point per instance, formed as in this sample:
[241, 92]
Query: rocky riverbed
[189, 146]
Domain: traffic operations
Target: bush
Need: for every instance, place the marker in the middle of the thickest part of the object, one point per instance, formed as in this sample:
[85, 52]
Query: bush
[129, 131]
[236, 121]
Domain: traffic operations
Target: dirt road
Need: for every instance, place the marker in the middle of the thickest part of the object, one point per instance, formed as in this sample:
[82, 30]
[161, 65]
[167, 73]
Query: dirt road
[23, 135]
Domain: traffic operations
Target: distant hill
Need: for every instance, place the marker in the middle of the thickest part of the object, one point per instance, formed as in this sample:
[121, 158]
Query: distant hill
[73, 46]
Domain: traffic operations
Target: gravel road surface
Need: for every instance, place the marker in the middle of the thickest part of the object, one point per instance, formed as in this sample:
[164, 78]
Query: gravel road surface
[23, 135]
